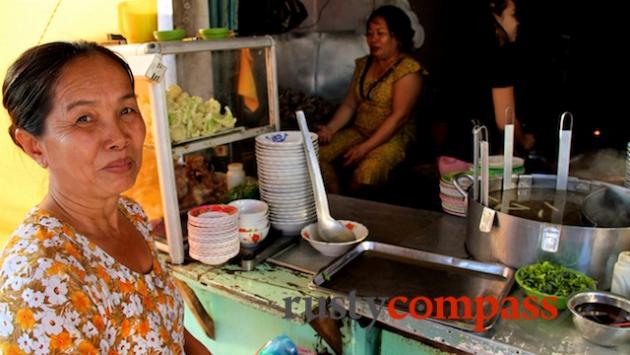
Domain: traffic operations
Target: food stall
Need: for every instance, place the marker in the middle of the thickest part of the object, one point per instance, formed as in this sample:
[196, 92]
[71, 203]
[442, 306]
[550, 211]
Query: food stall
[238, 301]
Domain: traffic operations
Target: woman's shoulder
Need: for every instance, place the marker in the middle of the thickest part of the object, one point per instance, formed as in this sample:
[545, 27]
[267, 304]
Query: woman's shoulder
[133, 208]
[407, 65]
[360, 62]
[37, 242]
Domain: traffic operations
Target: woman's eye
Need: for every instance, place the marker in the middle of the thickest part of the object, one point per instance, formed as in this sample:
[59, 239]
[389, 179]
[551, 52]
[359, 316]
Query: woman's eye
[127, 110]
[84, 119]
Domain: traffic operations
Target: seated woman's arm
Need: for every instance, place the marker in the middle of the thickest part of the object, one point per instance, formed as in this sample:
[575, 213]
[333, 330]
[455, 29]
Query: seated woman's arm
[502, 98]
[405, 94]
[342, 116]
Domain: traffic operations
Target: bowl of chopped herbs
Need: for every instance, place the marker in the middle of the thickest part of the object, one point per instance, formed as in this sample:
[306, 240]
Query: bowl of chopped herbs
[546, 280]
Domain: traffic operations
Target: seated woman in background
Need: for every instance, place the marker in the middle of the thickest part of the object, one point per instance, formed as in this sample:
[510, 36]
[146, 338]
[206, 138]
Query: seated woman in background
[81, 273]
[373, 126]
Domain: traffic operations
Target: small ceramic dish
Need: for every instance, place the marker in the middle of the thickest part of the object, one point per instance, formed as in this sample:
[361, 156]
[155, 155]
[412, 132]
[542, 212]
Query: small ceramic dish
[310, 233]
[170, 35]
[214, 32]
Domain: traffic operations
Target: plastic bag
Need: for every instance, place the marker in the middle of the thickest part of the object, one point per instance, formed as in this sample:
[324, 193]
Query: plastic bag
[280, 345]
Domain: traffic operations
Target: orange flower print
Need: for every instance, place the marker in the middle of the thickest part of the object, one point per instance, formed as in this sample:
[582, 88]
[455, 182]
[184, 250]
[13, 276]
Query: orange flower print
[141, 287]
[76, 271]
[125, 287]
[164, 334]
[143, 327]
[102, 273]
[148, 304]
[80, 301]
[55, 269]
[67, 231]
[87, 348]
[25, 319]
[156, 267]
[62, 341]
[112, 352]
[44, 234]
[98, 322]
[72, 250]
[125, 328]
[11, 349]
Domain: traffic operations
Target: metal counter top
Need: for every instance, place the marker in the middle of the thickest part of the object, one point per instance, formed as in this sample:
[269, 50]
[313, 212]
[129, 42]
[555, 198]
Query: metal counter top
[445, 234]
[267, 286]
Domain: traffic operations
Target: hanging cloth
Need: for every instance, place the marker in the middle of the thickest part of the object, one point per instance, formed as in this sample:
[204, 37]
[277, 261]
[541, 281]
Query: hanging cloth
[246, 83]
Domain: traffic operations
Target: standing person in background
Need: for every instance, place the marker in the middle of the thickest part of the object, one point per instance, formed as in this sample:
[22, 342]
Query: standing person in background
[479, 78]
[373, 127]
[81, 273]
[502, 70]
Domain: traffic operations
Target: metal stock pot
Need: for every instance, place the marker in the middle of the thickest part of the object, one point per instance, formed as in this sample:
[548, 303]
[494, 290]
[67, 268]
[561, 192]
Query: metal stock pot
[517, 241]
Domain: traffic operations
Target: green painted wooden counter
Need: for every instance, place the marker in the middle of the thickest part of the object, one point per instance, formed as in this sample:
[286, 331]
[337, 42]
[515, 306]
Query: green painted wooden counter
[248, 309]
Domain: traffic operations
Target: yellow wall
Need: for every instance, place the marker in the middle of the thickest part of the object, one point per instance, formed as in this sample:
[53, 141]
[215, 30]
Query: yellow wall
[22, 182]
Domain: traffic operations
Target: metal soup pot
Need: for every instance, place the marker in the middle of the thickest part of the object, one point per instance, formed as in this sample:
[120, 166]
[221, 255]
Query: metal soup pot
[517, 241]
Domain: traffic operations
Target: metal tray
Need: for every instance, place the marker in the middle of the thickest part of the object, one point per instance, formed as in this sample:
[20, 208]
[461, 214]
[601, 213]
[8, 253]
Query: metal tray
[383, 271]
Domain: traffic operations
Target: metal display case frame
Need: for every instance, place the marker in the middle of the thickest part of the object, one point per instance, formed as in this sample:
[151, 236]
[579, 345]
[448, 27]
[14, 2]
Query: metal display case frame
[147, 60]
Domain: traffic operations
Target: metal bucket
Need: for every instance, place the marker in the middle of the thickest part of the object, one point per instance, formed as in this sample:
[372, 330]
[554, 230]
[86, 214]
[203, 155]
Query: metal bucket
[516, 241]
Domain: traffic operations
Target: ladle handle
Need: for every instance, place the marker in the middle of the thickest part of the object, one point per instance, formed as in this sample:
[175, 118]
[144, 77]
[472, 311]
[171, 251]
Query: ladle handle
[564, 153]
[508, 148]
[480, 133]
[317, 182]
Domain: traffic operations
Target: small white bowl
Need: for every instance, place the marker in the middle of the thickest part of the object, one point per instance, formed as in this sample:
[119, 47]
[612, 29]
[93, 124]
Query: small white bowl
[250, 208]
[310, 233]
[250, 237]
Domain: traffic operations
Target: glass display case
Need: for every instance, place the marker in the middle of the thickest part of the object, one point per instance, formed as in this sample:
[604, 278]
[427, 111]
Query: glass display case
[198, 95]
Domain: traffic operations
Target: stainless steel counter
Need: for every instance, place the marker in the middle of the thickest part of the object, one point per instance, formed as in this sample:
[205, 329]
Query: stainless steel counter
[445, 234]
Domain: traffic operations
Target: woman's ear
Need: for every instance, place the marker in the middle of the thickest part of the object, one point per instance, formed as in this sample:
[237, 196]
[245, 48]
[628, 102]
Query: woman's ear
[31, 146]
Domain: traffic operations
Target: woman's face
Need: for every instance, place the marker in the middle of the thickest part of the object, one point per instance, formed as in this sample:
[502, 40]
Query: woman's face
[508, 20]
[93, 136]
[382, 43]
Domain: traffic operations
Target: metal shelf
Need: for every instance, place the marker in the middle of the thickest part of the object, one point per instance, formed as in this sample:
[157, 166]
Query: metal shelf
[147, 60]
[205, 143]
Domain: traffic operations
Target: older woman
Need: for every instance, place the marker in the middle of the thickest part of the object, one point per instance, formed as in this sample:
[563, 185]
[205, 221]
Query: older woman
[384, 90]
[81, 274]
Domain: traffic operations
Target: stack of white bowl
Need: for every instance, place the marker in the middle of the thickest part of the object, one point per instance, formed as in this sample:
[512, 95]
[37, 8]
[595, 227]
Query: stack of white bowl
[213, 236]
[284, 180]
[253, 221]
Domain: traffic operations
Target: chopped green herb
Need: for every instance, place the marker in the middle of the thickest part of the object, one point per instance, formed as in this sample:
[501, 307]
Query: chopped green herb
[555, 280]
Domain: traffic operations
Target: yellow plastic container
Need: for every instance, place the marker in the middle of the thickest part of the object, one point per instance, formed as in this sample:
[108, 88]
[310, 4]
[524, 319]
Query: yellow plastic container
[137, 19]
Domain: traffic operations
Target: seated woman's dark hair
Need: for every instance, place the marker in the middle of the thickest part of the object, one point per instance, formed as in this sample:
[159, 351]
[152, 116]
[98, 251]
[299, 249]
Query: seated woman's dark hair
[28, 88]
[398, 23]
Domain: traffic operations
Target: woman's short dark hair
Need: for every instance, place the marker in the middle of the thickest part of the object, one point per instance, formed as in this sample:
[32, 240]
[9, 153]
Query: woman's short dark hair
[398, 23]
[28, 88]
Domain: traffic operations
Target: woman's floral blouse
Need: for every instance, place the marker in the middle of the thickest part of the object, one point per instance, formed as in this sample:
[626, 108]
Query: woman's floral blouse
[60, 293]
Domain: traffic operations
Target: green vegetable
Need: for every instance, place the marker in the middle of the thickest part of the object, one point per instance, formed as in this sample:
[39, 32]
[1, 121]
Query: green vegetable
[191, 117]
[555, 279]
[245, 191]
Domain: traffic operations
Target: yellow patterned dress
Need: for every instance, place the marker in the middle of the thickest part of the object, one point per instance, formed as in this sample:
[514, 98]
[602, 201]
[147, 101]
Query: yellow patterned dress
[374, 106]
[60, 293]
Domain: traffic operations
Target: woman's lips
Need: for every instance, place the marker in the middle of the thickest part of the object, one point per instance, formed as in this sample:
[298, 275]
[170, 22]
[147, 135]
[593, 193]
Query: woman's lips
[119, 166]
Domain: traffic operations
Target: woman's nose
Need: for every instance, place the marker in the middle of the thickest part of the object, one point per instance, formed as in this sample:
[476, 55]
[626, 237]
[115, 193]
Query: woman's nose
[116, 135]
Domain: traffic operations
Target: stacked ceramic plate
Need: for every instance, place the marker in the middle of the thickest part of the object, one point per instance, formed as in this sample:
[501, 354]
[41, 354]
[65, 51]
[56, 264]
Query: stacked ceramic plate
[284, 181]
[627, 180]
[452, 201]
[213, 236]
[495, 163]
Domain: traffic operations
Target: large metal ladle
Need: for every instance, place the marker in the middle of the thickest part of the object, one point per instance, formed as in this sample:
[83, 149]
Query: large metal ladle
[330, 230]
